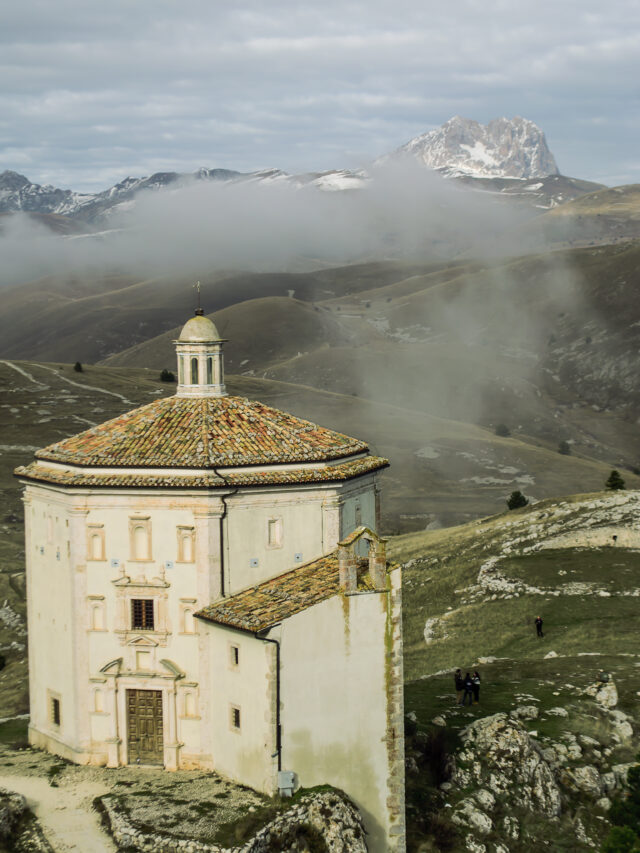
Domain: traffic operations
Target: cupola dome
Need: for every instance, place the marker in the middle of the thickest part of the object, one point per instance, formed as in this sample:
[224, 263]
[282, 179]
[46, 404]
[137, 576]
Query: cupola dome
[200, 360]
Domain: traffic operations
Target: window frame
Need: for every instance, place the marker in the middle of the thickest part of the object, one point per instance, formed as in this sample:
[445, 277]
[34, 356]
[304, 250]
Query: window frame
[147, 612]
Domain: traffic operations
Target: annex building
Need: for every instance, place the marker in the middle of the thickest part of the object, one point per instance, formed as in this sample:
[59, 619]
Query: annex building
[206, 589]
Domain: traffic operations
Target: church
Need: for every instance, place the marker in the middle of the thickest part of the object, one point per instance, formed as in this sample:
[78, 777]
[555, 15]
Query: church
[207, 589]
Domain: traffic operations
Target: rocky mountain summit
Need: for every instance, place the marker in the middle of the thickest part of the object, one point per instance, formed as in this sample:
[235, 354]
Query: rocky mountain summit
[504, 148]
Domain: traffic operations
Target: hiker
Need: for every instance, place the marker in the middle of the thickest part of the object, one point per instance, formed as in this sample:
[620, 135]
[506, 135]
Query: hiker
[468, 690]
[539, 626]
[475, 683]
[459, 686]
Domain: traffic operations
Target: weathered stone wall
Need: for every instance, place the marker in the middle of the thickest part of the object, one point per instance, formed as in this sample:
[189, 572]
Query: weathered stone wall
[330, 813]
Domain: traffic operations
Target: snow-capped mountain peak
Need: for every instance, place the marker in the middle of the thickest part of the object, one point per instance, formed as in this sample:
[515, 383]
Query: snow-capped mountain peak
[504, 148]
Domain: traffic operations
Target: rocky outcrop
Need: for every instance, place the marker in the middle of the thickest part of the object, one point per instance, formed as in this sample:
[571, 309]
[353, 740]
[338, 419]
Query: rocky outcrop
[19, 830]
[500, 755]
[504, 148]
[329, 816]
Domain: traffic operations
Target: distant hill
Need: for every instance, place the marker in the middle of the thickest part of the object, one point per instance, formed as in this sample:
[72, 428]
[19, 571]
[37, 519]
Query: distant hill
[538, 741]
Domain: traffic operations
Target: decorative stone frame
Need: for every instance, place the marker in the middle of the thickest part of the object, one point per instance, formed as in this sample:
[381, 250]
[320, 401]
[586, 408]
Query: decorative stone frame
[95, 535]
[188, 624]
[186, 535]
[188, 692]
[165, 678]
[276, 524]
[126, 591]
[97, 613]
[144, 522]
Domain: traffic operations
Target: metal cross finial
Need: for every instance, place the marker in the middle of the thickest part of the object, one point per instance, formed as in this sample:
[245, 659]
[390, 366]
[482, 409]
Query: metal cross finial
[197, 287]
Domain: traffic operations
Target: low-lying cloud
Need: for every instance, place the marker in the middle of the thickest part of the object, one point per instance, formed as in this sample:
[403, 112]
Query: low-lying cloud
[404, 211]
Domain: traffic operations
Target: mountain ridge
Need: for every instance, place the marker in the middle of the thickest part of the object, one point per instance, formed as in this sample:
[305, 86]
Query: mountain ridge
[512, 152]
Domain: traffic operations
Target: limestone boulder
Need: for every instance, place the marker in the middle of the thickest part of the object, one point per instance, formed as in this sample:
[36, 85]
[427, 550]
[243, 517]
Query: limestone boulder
[510, 762]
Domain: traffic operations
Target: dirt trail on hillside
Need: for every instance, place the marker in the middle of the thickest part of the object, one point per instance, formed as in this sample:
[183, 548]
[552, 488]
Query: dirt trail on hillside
[64, 813]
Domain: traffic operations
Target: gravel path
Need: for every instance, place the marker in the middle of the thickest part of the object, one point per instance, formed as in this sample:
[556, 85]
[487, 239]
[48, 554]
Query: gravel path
[65, 814]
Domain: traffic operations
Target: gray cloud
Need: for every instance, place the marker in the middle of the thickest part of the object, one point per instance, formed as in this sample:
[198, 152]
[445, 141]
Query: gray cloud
[92, 92]
[404, 211]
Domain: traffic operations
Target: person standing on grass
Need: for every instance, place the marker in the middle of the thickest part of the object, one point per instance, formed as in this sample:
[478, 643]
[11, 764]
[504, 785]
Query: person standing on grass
[459, 686]
[468, 690]
[539, 626]
[475, 683]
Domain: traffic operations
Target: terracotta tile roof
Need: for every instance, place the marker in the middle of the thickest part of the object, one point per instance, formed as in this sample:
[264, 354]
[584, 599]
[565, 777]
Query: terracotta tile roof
[39, 472]
[263, 606]
[179, 432]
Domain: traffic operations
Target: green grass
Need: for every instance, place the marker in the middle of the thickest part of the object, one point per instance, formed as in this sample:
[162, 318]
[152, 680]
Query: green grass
[612, 569]
[14, 732]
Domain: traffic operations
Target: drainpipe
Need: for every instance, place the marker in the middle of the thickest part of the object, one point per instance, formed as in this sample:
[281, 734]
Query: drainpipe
[224, 499]
[276, 643]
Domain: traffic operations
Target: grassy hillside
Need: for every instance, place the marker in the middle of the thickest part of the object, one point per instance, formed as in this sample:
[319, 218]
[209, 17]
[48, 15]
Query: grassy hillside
[471, 595]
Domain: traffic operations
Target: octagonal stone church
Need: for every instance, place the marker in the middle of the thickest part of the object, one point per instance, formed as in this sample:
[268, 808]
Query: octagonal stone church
[206, 589]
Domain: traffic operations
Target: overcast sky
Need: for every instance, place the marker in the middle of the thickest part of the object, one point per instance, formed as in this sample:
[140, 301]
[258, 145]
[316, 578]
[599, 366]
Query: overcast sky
[93, 91]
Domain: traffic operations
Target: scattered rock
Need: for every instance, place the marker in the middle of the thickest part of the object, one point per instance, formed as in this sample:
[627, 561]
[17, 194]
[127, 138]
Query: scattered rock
[585, 779]
[604, 692]
[604, 803]
[558, 712]
[550, 655]
[469, 815]
[439, 721]
[485, 799]
[525, 712]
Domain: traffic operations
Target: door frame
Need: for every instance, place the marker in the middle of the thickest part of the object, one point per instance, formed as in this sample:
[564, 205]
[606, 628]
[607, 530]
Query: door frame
[118, 683]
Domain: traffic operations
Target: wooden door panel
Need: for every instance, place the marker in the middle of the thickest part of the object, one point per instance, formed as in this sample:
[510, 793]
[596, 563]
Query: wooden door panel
[145, 727]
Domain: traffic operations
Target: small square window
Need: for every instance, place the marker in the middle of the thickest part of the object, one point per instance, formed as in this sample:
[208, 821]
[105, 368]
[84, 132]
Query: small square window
[55, 711]
[234, 655]
[142, 614]
[235, 718]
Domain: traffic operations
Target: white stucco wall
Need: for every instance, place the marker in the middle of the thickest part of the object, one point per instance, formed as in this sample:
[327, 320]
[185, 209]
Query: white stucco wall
[50, 609]
[336, 702]
[244, 754]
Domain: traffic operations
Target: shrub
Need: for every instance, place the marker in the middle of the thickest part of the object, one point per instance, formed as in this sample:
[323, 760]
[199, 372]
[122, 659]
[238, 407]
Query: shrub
[615, 481]
[621, 839]
[77, 367]
[167, 376]
[502, 430]
[565, 448]
[517, 500]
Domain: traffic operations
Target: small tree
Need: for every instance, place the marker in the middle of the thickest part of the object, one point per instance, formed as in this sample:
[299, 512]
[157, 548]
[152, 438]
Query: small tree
[167, 376]
[517, 500]
[77, 367]
[565, 448]
[615, 481]
[502, 430]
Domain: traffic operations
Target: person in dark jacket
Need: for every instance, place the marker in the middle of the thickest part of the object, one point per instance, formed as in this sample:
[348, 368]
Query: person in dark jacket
[468, 690]
[475, 683]
[539, 626]
[459, 681]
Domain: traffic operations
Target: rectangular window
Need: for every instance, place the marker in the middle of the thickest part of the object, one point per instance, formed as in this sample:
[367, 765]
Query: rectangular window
[55, 711]
[234, 654]
[274, 532]
[235, 718]
[142, 613]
